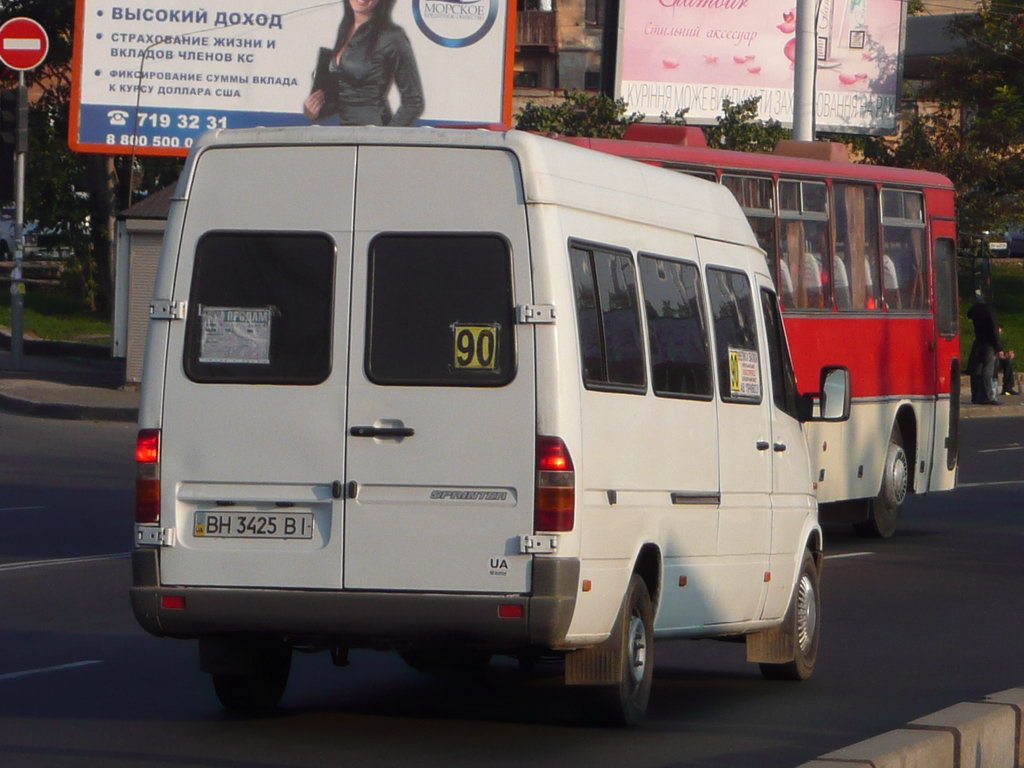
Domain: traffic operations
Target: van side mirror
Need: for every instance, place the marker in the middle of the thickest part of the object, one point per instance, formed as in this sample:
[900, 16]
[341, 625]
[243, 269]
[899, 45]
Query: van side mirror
[832, 401]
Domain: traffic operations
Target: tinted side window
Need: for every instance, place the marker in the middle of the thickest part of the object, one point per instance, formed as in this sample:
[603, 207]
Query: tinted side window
[440, 311]
[676, 328]
[736, 348]
[611, 345]
[260, 309]
[784, 392]
[946, 309]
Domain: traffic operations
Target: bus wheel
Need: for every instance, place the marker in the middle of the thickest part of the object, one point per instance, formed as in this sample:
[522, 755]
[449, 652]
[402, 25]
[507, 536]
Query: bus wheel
[260, 690]
[884, 509]
[802, 624]
[625, 703]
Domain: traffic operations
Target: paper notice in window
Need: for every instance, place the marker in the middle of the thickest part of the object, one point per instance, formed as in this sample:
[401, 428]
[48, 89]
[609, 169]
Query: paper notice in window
[235, 335]
[744, 373]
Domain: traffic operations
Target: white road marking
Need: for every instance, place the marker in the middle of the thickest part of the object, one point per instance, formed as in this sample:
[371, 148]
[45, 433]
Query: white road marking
[58, 668]
[1015, 447]
[993, 484]
[21, 566]
[19, 509]
[847, 554]
[23, 44]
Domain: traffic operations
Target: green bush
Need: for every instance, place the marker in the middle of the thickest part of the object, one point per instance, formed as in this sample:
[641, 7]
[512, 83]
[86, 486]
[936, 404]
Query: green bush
[580, 113]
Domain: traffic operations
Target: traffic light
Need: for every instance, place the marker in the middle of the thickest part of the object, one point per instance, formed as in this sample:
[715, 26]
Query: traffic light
[8, 141]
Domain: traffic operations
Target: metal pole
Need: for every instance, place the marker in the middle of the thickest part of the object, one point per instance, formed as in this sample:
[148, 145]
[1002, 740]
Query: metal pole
[803, 71]
[17, 283]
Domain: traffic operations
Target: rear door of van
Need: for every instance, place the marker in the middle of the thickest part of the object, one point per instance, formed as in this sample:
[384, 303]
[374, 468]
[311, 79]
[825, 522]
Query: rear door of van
[349, 403]
[254, 402]
[442, 415]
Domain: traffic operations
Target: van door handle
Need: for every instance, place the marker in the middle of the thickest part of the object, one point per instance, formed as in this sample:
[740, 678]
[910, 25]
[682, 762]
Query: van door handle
[778, 447]
[382, 431]
[762, 445]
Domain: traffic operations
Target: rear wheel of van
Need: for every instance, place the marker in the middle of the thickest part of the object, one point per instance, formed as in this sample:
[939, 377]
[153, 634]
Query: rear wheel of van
[803, 625]
[625, 703]
[260, 690]
[884, 509]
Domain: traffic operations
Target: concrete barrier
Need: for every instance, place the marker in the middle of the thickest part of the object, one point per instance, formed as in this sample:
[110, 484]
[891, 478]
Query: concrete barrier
[985, 734]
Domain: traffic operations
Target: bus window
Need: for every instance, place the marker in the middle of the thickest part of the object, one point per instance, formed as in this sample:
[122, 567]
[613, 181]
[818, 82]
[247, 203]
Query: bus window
[695, 172]
[856, 256]
[947, 314]
[803, 244]
[676, 329]
[904, 262]
[756, 196]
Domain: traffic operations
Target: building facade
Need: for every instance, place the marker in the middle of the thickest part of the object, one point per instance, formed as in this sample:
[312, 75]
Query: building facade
[558, 47]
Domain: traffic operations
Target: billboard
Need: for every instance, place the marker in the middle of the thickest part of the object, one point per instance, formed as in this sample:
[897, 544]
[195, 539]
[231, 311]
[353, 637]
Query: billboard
[152, 77]
[694, 53]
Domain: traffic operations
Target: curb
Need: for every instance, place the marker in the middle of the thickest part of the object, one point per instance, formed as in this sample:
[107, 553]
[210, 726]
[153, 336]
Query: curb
[982, 734]
[67, 411]
[47, 348]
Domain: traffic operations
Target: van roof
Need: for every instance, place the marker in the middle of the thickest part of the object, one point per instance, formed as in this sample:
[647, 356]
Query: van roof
[556, 173]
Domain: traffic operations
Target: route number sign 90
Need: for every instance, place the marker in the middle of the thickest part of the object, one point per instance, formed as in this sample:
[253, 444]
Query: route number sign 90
[476, 347]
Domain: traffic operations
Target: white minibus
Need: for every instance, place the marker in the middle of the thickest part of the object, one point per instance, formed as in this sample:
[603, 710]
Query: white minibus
[458, 393]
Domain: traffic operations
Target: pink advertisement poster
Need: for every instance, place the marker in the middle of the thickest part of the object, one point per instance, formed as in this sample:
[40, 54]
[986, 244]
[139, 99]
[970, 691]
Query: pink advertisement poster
[694, 53]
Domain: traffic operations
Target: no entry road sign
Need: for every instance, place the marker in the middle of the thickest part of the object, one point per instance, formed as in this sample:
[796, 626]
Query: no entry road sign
[23, 43]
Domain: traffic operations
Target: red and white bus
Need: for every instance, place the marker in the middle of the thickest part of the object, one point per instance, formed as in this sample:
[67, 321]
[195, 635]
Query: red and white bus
[864, 260]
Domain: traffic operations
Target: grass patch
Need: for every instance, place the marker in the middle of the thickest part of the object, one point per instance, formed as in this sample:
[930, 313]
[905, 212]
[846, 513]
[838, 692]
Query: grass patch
[1008, 288]
[58, 318]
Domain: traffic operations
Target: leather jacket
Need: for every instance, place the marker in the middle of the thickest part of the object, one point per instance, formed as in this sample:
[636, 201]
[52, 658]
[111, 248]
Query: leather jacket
[357, 87]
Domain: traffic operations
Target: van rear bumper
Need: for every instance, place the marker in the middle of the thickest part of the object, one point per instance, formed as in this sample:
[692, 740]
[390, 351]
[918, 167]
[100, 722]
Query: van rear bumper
[363, 618]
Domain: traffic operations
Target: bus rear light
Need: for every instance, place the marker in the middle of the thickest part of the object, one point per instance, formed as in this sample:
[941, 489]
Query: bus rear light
[147, 476]
[555, 493]
[510, 611]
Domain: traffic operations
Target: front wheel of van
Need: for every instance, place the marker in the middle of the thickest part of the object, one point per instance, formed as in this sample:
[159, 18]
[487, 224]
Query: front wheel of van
[625, 703]
[802, 625]
[258, 691]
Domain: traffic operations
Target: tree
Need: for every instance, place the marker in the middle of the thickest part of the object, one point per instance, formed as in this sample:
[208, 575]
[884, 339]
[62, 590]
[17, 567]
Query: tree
[738, 128]
[969, 124]
[579, 114]
[74, 195]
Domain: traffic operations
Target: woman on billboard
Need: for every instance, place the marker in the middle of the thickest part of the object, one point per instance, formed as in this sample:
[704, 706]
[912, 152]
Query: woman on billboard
[371, 54]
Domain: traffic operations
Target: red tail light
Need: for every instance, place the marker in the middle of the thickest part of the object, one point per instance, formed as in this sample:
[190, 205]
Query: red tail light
[147, 476]
[555, 497]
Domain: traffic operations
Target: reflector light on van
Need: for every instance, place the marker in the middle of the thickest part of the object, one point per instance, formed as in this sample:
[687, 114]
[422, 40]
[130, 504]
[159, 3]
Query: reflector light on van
[147, 476]
[555, 496]
[510, 611]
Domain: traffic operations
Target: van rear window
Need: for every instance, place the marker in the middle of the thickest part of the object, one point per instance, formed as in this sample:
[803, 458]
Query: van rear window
[440, 311]
[260, 309]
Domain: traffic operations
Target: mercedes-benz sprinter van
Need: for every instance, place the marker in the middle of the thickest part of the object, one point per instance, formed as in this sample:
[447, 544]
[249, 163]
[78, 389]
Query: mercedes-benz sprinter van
[461, 393]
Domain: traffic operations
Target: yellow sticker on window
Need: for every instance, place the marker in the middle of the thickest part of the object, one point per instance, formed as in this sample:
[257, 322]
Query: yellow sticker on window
[744, 373]
[475, 347]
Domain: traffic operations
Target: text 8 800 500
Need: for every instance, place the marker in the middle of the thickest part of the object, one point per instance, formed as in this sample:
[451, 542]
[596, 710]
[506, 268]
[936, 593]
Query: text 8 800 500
[127, 140]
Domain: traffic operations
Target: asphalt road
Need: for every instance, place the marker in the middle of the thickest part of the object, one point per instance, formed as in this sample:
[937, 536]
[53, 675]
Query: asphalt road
[911, 625]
